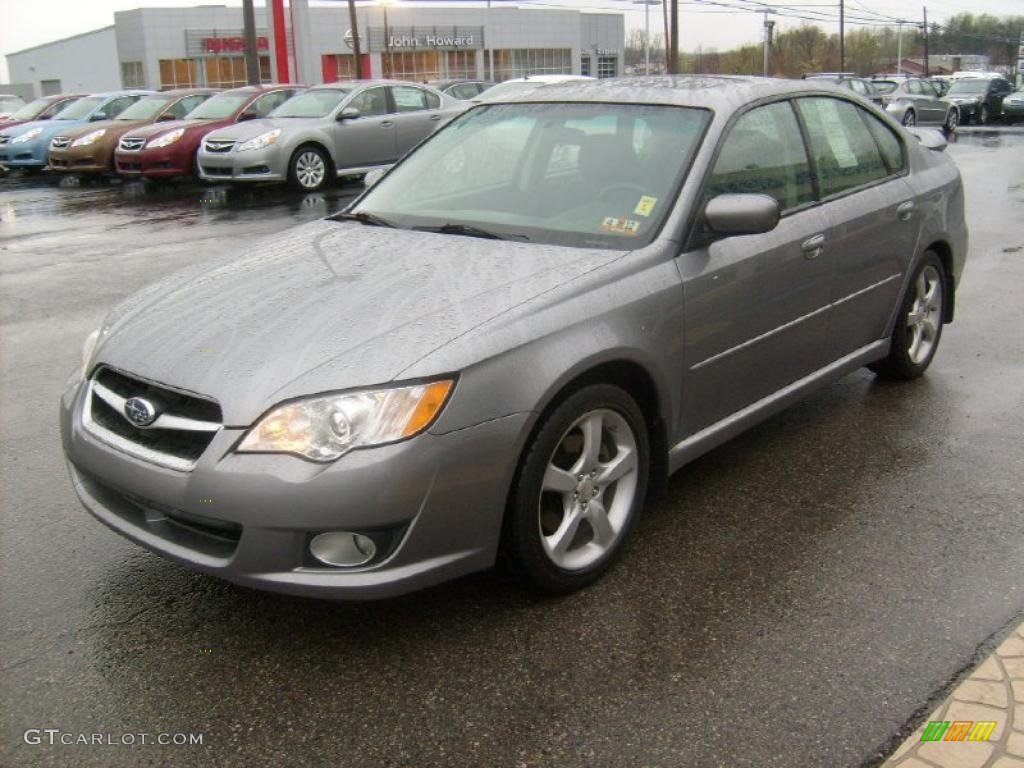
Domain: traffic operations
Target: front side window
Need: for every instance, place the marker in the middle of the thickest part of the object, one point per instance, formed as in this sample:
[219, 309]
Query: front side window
[968, 87]
[267, 103]
[219, 107]
[186, 105]
[914, 88]
[764, 153]
[118, 106]
[142, 109]
[80, 109]
[845, 155]
[318, 103]
[373, 102]
[583, 175]
[884, 86]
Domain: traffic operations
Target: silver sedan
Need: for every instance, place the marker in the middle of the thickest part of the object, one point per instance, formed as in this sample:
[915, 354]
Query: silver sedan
[331, 130]
[516, 334]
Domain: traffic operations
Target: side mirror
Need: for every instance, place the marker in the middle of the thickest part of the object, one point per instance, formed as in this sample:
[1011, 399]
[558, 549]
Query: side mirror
[348, 113]
[729, 215]
[166, 117]
[931, 138]
[247, 115]
[98, 116]
[372, 177]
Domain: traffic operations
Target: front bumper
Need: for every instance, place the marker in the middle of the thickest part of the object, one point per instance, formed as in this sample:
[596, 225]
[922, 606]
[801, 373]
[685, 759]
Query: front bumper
[1013, 111]
[442, 496]
[79, 160]
[268, 164]
[31, 154]
[166, 163]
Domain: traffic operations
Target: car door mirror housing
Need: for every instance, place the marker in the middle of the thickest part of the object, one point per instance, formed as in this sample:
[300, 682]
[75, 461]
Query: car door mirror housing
[98, 116]
[348, 113]
[249, 114]
[166, 117]
[747, 214]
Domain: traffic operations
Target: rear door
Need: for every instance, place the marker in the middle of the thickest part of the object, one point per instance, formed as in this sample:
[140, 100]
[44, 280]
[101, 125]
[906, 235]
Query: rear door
[369, 139]
[934, 104]
[873, 221]
[417, 115]
[755, 307]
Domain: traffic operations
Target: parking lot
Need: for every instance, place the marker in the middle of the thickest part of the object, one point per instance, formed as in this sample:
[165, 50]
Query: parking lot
[801, 596]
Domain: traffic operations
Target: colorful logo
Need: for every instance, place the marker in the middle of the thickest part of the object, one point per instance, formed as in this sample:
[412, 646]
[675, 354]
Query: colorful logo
[958, 730]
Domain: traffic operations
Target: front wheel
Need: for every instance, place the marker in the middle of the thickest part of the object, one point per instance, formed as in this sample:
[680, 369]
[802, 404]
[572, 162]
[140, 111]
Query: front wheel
[909, 118]
[952, 120]
[915, 338]
[308, 169]
[579, 490]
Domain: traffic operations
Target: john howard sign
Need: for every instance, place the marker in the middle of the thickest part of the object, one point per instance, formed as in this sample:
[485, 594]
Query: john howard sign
[427, 38]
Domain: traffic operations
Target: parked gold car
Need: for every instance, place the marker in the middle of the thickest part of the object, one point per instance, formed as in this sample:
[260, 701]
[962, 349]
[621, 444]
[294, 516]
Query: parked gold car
[90, 148]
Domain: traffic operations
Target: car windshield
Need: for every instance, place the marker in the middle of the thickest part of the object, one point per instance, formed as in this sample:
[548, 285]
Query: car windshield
[884, 86]
[218, 107]
[145, 108]
[316, 103]
[30, 110]
[575, 174]
[968, 86]
[81, 109]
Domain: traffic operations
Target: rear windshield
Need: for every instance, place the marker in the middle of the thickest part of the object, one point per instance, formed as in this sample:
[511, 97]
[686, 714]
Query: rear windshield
[81, 109]
[968, 86]
[884, 86]
[218, 107]
[316, 103]
[145, 108]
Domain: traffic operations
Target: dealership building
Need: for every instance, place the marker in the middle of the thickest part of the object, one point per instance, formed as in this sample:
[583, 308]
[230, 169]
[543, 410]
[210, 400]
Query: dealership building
[203, 46]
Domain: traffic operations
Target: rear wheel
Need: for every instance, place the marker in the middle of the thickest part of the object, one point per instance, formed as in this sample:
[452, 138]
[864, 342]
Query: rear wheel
[909, 118]
[579, 490]
[915, 338]
[308, 169]
[952, 120]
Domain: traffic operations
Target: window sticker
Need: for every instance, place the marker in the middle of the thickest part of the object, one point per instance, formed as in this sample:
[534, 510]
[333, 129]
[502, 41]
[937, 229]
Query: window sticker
[620, 226]
[835, 133]
[645, 206]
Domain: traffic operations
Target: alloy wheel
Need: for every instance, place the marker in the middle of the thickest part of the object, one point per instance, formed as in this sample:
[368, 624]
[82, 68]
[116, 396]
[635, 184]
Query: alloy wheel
[588, 490]
[925, 315]
[909, 119]
[953, 120]
[310, 169]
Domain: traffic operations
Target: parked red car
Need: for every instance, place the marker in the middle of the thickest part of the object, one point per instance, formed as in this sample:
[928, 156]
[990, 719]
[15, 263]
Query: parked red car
[168, 149]
[40, 109]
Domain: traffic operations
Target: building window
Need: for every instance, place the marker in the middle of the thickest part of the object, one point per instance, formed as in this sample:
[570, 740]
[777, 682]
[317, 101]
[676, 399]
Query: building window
[412, 65]
[131, 74]
[344, 66]
[607, 66]
[585, 66]
[459, 64]
[520, 62]
[212, 71]
[178, 73]
[50, 87]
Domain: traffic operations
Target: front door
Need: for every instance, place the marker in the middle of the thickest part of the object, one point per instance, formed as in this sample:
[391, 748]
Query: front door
[755, 308]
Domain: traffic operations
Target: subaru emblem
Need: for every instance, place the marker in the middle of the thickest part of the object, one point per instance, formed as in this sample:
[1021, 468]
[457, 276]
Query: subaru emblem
[139, 411]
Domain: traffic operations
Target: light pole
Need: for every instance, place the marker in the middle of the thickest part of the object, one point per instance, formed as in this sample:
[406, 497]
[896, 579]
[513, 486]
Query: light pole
[389, 66]
[647, 31]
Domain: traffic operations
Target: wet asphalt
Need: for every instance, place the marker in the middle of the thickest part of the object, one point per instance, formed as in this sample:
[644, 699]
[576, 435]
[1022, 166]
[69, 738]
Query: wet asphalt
[799, 597]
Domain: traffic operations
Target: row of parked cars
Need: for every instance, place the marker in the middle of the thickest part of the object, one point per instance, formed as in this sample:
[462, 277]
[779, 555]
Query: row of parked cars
[945, 102]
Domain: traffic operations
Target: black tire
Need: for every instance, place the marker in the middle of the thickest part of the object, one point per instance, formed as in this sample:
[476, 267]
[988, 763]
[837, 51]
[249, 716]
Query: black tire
[952, 120]
[296, 177]
[521, 548]
[909, 118]
[899, 365]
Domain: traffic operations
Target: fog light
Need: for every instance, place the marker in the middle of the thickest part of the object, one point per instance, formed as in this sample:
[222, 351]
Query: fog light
[344, 549]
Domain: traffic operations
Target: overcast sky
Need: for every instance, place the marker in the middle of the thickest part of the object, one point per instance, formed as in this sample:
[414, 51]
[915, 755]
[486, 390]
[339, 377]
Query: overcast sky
[24, 23]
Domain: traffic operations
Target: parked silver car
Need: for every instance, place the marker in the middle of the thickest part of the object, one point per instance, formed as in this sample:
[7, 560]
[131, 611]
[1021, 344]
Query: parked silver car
[516, 334]
[914, 101]
[331, 130]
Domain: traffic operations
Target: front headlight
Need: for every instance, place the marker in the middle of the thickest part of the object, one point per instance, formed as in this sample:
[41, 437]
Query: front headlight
[325, 428]
[26, 136]
[90, 138]
[261, 141]
[166, 139]
[88, 349]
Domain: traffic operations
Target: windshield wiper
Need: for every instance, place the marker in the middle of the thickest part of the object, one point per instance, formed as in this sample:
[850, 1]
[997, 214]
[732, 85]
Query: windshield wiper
[469, 230]
[369, 219]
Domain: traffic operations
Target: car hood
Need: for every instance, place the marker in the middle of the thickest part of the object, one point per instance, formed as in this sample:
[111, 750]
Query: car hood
[150, 131]
[326, 306]
[48, 126]
[253, 128]
[112, 127]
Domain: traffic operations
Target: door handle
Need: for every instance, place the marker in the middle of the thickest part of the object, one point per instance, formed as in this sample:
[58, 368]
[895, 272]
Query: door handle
[386, 123]
[435, 118]
[905, 210]
[813, 246]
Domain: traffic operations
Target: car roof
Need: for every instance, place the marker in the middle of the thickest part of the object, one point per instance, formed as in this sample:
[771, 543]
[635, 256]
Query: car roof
[129, 92]
[708, 91]
[186, 91]
[353, 84]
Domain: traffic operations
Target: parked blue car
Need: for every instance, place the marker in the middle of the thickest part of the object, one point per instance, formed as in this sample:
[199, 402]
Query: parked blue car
[28, 145]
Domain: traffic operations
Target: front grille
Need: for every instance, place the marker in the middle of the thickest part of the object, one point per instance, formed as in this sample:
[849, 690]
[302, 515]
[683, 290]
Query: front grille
[185, 426]
[219, 145]
[131, 143]
[59, 142]
[207, 526]
[213, 170]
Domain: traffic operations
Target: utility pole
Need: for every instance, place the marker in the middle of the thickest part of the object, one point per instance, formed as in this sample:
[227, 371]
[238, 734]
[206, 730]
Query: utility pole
[768, 27]
[842, 37]
[252, 56]
[673, 62]
[927, 61]
[899, 50]
[354, 23]
[668, 37]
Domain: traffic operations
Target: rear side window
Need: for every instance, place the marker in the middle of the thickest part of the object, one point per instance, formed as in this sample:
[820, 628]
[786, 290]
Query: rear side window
[465, 91]
[764, 153]
[888, 142]
[409, 99]
[845, 154]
